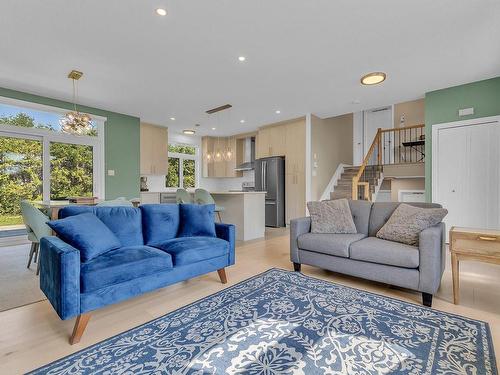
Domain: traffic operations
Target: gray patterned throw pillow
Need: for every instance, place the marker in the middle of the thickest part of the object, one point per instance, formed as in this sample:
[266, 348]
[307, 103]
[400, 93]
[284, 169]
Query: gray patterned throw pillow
[406, 223]
[331, 217]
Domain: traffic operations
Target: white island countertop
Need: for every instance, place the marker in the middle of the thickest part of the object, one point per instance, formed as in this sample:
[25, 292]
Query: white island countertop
[237, 192]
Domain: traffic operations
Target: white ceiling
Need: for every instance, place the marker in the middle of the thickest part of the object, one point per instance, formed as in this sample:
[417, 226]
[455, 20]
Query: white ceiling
[302, 55]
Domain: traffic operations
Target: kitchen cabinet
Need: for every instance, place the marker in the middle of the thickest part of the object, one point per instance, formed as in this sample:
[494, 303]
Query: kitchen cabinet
[271, 141]
[295, 148]
[154, 150]
[150, 197]
[295, 196]
[220, 168]
[288, 139]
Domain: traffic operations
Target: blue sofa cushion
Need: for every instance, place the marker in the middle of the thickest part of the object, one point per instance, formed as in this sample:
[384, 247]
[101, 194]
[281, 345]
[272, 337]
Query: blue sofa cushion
[86, 233]
[196, 220]
[187, 250]
[160, 222]
[124, 222]
[121, 265]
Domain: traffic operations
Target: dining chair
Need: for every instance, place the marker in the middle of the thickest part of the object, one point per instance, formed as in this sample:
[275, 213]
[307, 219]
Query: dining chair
[36, 226]
[120, 201]
[201, 196]
[182, 196]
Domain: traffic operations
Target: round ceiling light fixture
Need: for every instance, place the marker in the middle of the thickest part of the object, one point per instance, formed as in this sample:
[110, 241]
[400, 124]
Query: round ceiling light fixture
[277, 111]
[242, 121]
[172, 118]
[242, 58]
[373, 78]
[161, 12]
[189, 132]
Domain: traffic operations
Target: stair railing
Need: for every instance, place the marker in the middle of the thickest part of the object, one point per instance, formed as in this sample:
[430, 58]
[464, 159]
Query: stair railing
[373, 158]
[402, 145]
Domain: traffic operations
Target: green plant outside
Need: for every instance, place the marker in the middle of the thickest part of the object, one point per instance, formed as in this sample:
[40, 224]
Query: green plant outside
[172, 179]
[21, 169]
[10, 220]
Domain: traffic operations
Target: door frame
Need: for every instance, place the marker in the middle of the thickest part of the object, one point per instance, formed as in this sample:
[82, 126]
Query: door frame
[366, 143]
[435, 144]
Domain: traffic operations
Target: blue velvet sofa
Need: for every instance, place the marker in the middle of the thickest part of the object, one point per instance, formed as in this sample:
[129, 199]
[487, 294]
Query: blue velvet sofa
[151, 256]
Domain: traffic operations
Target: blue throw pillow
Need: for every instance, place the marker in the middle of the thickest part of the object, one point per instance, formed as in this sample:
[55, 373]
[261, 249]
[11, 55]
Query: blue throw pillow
[160, 222]
[86, 233]
[196, 220]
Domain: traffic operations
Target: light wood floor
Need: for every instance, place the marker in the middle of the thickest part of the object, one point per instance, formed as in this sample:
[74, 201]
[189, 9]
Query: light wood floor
[33, 335]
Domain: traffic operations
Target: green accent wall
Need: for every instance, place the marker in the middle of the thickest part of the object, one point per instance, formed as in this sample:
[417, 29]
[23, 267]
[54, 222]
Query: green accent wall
[442, 106]
[121, 144]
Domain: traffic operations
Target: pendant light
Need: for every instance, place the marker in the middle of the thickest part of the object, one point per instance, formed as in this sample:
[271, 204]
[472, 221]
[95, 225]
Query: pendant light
[75, 122]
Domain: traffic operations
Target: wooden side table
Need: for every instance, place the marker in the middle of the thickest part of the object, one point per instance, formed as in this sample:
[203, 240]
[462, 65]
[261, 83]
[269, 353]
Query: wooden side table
[481, 245]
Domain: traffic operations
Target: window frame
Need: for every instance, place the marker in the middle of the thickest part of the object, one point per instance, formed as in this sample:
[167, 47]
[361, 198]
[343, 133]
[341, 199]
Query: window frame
[181, 158]
[47, 137]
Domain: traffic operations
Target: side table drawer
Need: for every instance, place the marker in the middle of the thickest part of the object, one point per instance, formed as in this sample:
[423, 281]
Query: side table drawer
[478, 245]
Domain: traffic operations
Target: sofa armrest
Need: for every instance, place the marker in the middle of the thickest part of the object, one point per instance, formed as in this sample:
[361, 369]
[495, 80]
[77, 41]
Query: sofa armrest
[227, 232]
[60, 276]
[297, 227]
[432, 257]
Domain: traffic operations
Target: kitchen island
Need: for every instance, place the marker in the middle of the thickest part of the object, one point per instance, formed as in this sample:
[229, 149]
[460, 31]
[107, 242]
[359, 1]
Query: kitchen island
[244, 209]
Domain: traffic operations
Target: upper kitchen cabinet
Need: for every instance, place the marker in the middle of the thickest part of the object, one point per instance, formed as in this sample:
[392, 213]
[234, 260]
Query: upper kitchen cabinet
[270, 141]
[154, 149]
[219, 167]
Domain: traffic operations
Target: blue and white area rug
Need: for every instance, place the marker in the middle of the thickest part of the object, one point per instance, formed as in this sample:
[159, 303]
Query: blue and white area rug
[282, 322]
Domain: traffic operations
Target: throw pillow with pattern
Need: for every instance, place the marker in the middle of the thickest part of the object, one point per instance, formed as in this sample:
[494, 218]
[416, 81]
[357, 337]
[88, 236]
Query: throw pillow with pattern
[331, 217]
[406, 223]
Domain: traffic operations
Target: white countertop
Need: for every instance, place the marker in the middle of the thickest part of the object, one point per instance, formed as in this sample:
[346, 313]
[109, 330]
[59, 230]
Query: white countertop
[236, 192]
[212, 192]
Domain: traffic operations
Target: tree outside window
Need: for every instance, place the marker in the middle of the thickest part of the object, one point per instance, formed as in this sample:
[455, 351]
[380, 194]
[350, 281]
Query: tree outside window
[181, 166]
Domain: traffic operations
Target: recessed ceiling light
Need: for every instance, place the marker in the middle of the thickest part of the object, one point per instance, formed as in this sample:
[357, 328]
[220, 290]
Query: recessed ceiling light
[278, 112]
[172, 118]
[213, 128]
[242, 58]
[161, 12]
[373, 78]
[189, 131]
[242, 121]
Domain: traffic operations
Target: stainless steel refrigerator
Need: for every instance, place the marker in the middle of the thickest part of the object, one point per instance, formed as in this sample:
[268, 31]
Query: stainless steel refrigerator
[270, 177]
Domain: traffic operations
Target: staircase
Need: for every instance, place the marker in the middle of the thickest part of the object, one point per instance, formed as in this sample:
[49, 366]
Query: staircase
[390, 146]
[343, 189]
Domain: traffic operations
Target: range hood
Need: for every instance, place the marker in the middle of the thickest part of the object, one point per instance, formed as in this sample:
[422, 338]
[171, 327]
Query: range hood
[248, 155]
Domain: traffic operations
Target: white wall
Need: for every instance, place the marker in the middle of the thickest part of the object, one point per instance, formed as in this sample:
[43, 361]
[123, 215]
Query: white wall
[157, 183]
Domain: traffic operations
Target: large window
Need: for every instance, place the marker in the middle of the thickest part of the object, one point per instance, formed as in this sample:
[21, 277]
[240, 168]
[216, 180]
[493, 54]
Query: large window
[40, 162]
[182, 166]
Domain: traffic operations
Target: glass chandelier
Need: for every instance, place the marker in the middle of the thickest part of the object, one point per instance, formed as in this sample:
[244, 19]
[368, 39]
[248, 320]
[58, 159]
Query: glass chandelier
[219, 154]
[75, 122]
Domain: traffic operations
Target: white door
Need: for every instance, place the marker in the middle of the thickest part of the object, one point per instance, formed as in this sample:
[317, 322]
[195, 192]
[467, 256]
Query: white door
[357, 138]
[466, 170]
[374, 119]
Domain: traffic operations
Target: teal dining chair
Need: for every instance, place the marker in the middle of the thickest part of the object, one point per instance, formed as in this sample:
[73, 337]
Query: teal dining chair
[182, 196]
[201, 196]
[35, 222]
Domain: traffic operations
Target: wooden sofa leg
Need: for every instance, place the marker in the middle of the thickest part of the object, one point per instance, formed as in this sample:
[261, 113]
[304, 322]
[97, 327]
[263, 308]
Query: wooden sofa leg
[222, 275]
[80, 325]
[427, 299]
[296, 267]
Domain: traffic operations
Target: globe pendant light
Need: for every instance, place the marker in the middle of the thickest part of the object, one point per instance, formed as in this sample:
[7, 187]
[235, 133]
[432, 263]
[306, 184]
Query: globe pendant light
[75, 122]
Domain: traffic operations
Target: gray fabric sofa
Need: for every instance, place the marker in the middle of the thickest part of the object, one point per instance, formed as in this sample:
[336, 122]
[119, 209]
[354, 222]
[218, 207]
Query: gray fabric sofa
[366, 256]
